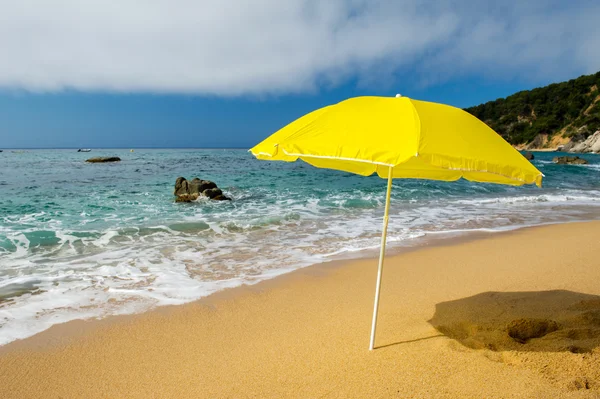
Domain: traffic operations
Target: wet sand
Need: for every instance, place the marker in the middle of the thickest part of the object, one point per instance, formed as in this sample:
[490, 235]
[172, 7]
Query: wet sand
[443, 331]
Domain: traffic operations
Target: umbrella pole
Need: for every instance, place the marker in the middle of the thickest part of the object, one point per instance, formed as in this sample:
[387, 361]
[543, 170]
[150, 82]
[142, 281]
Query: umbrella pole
[381, 256]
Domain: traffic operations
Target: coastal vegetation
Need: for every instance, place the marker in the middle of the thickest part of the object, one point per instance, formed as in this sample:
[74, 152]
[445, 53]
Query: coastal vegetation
[567, 111]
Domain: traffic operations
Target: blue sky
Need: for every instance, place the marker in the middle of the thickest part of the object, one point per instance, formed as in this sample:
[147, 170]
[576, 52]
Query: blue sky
[202, 74]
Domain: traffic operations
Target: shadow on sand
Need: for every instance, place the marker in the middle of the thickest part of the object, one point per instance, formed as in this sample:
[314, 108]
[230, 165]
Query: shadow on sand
[548, 321]
[409, 341]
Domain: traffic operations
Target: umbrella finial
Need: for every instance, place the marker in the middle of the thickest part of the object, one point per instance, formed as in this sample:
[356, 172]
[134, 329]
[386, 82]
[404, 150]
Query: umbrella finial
[398, 95]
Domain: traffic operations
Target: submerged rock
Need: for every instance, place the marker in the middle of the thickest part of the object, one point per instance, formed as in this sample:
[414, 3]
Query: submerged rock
[187, 191]
[529, 156]
[103, 159]
[569, 160]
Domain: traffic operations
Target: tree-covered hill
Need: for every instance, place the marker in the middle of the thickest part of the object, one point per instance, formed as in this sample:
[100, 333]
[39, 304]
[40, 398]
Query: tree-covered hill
[568, 109]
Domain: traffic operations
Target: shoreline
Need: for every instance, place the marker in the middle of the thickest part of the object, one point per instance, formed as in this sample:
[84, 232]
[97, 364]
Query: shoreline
[305, 333]
[336, 261]
[428, 240]
[436, 239]
[518, 148]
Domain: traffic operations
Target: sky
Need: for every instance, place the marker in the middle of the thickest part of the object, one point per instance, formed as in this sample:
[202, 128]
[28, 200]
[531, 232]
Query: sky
[199, 73]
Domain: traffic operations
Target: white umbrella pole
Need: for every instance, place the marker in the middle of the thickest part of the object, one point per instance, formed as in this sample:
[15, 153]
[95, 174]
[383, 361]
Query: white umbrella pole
[381, 256]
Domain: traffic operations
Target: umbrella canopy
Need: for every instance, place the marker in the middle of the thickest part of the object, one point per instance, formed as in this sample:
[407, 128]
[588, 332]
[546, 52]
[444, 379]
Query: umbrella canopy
[399, 138]
[419, 139]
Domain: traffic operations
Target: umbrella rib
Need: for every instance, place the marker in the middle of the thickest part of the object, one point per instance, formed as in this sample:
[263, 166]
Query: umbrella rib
[486, 171]
[340, 158]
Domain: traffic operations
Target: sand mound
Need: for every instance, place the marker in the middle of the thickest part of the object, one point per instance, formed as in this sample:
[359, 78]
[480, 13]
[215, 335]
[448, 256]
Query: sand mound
[522, 330]
[548, 321]
[554, 333]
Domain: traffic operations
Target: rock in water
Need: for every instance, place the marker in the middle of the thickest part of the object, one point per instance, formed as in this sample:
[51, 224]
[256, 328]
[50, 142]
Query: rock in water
[522, 330]
[213, 193]
[569, 160]
[187, 191]
[529, 156]
[186, 197]
[199, 186]
[103, 159]
[181, 186]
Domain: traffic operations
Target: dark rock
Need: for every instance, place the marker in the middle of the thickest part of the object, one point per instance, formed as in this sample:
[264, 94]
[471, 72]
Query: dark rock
[198, 186]
[569, 160]
[522, 330]
[221, 198]
[529, 156]
[193, 186]
[212, 192]
[186, 197]
[184, 190]
[103, 159]
[181, 186]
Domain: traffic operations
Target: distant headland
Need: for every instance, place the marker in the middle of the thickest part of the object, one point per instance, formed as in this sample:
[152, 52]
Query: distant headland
[561, 116]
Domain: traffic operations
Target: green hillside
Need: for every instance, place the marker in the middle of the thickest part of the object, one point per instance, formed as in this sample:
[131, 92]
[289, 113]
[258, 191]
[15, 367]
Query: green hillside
[570, 108]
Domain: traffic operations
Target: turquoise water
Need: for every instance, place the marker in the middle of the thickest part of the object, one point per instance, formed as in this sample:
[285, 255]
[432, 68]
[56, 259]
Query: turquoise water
[84, 240]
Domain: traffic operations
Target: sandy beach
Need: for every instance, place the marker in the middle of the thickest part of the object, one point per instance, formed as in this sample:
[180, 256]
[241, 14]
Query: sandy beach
[442, 333]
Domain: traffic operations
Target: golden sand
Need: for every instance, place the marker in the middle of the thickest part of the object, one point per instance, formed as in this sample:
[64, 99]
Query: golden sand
[306, 334]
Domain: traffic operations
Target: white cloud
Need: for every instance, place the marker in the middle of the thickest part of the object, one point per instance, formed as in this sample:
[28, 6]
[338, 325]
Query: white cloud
[234, 47]
[534, 40]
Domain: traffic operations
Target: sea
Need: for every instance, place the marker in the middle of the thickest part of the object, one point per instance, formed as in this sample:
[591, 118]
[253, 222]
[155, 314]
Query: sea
[81, 240]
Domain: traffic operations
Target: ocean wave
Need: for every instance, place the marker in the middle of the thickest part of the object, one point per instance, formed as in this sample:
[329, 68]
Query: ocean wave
[587, 196]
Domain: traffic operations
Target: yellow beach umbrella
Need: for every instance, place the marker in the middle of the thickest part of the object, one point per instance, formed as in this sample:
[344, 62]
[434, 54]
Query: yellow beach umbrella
[399, 138]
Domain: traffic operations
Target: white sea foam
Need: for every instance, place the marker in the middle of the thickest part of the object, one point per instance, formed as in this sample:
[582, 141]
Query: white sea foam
[582, 197]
